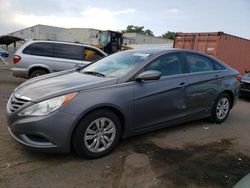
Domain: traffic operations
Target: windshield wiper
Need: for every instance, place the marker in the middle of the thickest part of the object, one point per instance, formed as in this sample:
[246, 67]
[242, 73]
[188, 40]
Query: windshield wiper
[94, 73]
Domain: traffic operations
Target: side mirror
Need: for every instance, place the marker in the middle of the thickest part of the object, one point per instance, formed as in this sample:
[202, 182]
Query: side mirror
[149, 75]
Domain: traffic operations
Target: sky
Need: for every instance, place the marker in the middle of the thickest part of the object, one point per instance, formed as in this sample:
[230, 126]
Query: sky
[160, 16]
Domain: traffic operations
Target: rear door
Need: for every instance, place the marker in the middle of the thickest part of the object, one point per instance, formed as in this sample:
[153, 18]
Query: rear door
[203, 82]
[162, 100]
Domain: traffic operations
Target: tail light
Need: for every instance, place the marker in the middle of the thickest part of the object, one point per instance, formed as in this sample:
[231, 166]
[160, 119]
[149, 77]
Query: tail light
[238, 77]
[16, 59]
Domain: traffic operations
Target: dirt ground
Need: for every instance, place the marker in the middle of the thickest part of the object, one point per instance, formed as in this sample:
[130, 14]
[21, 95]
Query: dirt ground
[196, 154]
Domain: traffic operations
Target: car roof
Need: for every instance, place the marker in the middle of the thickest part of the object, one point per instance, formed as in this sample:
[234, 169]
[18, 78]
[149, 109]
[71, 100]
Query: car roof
[156, 51]
[65, 42]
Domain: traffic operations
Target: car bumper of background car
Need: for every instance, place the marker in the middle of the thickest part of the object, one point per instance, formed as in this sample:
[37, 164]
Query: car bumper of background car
[5, 55]
[245, 92]
[51, 133]
[245, 89]
[20, 72]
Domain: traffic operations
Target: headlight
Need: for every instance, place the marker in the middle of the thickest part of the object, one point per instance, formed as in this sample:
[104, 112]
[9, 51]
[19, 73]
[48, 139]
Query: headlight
[48, 106]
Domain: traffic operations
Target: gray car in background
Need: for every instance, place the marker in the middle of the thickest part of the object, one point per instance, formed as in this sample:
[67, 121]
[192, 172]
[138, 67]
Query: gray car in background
[245, 85]
[127, 93]
[38, 57]
[3, 53]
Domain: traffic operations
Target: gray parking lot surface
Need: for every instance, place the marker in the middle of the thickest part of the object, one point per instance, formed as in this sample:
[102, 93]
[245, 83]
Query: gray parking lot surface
[195, 154]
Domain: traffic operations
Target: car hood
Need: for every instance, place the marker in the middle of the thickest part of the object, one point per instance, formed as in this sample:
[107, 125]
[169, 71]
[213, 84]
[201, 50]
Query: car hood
[56, 84]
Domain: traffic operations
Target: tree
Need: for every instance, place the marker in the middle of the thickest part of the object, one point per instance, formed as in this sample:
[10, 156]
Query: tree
[137, 29]
[169, 35]
[149, 32]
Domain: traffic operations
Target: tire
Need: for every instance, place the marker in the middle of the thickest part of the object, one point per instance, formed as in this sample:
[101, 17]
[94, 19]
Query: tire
[221, 108]
[90, 142]
[38, 72]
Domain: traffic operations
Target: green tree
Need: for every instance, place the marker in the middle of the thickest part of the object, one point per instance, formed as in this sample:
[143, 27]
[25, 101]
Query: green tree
[149, 32]
[169, 35]
[137, 29]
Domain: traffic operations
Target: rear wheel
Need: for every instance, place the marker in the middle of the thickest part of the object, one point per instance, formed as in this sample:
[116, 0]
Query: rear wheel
[97, 134]
[221, 108]
[37, 72]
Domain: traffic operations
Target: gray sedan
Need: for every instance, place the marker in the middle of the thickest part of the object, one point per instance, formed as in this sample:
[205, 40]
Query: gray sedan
[91, 108]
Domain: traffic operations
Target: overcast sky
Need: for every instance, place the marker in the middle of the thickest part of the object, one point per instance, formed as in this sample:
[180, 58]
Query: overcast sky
[230, 16]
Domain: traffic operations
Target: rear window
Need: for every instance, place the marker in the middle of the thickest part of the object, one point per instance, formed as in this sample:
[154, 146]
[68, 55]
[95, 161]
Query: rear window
[199, 63]
[40, 49]
[56, 50]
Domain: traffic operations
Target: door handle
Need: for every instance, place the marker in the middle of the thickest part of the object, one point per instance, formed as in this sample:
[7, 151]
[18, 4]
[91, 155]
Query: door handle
[182, 84]
[217, 76]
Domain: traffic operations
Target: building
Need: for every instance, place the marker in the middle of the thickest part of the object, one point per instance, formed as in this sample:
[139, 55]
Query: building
[45, 32]
[138, 38]
[81, 35]
[40, 32]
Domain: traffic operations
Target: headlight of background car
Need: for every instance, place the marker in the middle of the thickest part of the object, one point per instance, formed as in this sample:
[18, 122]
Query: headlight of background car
[48, 106]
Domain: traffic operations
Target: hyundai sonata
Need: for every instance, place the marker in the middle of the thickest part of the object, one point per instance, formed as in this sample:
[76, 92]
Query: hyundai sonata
[89, 109]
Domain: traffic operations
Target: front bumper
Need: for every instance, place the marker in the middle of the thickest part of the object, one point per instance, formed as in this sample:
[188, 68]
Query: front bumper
[51, 133]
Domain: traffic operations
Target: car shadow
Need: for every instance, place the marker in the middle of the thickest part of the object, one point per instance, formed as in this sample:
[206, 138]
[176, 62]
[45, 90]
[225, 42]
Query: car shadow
[244, 98]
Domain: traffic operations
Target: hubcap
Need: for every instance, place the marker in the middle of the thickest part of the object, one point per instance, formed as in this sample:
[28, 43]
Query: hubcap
[99, 135]
[222, 108]
[36, 75]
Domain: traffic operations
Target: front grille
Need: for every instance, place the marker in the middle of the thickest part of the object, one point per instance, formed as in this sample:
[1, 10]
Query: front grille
[16, 103]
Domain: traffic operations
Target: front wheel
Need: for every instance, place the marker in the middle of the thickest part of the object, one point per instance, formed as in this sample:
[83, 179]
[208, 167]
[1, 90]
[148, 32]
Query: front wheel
[97, 134]
[221, 108]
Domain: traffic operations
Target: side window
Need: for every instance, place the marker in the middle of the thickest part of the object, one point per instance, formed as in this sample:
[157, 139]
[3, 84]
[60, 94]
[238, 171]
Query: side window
[68, 51]
[40, 49]
[169, 64]
[198, 63]
[218, 66]
[91, 55]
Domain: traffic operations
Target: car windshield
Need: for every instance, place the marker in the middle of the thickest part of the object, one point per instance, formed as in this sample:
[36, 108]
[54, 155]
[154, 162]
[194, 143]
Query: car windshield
[116, 65]
[104, 38]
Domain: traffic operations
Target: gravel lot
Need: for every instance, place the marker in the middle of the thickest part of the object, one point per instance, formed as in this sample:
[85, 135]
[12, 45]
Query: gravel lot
[196, 154]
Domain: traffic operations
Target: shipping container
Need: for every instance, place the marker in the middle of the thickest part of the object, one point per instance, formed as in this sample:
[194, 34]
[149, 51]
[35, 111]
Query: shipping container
[232, 50]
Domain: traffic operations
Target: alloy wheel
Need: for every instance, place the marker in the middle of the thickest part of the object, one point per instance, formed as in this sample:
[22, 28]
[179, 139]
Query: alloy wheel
[100, 135]
[222, 108]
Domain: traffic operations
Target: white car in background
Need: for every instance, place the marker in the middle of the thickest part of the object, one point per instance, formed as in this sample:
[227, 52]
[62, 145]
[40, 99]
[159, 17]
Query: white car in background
[39, 57]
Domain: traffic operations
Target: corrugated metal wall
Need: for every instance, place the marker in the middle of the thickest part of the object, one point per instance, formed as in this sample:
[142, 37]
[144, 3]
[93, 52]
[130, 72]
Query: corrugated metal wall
[233, 50]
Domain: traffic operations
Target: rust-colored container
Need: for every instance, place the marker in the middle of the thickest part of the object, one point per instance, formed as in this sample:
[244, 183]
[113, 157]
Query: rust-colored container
[232, 50]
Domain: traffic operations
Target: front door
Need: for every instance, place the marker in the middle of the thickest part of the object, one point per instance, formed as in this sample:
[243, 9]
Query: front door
[160, 101]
